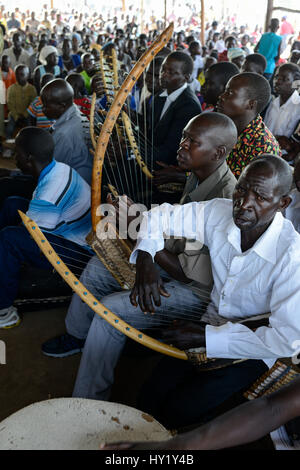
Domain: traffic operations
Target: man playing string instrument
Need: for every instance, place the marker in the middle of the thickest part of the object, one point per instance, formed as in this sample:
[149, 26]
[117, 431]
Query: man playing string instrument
[206, 141]
[255, 256]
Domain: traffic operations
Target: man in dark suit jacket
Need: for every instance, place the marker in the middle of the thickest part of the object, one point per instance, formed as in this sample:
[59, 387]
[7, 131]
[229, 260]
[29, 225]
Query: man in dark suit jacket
[173, 108]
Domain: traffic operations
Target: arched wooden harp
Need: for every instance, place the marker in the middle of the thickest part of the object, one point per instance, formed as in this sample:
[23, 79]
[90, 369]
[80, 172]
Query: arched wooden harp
[115, 252]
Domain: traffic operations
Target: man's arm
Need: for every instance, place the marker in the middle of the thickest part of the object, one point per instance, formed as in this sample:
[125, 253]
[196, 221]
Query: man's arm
[278, 53]
[245, 423]
[171, 264]
[166, 220]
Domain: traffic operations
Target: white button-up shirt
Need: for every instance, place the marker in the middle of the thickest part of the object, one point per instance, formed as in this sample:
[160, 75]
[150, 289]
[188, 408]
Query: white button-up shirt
[282, 120]
[264, 279]
[171, 98]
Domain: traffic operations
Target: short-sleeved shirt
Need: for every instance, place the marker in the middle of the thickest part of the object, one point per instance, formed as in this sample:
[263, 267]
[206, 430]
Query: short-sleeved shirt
[253, 141]
[61, 203]
[35, 110]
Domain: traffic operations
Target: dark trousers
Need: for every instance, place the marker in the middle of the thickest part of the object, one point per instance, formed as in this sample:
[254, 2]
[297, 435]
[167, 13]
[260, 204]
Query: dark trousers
[178, 395]
[18, 185]
[17, 247]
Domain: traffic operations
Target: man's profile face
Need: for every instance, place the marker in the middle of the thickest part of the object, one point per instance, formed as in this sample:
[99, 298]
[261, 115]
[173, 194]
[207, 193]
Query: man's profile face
[255, 198]
[171, 75]
[234, 100]
[197, 147]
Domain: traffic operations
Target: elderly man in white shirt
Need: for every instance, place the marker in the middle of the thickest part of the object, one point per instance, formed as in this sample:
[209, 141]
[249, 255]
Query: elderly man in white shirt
[255, 254]
[283, 113]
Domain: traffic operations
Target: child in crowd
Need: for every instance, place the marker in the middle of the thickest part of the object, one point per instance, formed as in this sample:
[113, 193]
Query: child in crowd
[283, 113]
[35, 109]
[19, 97]
[83, 102]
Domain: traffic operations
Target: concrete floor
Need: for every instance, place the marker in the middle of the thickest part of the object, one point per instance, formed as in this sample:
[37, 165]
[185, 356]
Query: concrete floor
[28, 376]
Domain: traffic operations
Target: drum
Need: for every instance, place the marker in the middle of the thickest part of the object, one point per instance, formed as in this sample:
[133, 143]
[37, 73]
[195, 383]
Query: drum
[77, 424]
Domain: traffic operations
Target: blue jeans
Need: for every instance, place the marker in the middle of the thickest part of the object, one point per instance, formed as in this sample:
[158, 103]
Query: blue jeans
[17, 247]
[104, 343]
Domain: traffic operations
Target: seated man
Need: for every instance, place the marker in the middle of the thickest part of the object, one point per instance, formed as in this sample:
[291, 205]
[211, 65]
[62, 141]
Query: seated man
[19, 97]
[88, 69]
[68, 133]
[283, 113]
[60, 206]
[255, 255]
[80, 99]
[36, 116]
[173, 108]
[206, 141]
[216, 78]
[245, 96]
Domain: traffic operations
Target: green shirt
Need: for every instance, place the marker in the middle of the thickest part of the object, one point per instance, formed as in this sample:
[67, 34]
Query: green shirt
[19, 98]
[87, 81]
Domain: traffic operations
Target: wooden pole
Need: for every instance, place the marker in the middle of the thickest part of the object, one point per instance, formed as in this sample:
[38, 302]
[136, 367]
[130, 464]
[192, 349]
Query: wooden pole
[202, 23]
[270, 8]
[142, 16]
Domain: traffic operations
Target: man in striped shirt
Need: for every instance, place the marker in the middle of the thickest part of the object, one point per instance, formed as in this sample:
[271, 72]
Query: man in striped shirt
[35, 109]
[60, 206]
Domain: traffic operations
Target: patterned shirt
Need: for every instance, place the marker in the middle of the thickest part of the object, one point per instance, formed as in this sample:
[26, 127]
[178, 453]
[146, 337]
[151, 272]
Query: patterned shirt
[254, 140]
[36, 111]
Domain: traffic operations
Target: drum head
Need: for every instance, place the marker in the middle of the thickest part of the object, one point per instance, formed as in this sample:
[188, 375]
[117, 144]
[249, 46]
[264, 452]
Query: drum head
[76, 424]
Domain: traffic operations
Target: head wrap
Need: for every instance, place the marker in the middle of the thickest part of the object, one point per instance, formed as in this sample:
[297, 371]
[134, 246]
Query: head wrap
[78, 37]
[234, 52]
[47, 50]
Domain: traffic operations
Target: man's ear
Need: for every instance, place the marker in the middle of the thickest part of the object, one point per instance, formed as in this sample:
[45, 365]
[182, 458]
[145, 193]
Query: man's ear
[188, 77]
[252, 105]
[284, 202]
[221, 152]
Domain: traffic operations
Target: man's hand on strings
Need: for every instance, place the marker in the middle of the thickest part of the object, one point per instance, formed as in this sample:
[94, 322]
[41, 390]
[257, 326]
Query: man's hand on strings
[148, 286]
[183, 334]
[168, 174]
[122, 206]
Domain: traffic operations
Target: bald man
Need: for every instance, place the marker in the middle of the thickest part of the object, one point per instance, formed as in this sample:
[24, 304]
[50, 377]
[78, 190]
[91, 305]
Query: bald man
[68, 132]
[205, 143]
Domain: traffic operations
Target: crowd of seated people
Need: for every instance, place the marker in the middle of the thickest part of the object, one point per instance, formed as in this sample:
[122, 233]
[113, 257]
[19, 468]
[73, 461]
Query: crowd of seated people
[224, 120]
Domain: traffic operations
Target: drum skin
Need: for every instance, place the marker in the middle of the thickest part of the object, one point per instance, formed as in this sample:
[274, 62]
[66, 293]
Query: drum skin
[77, 424]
